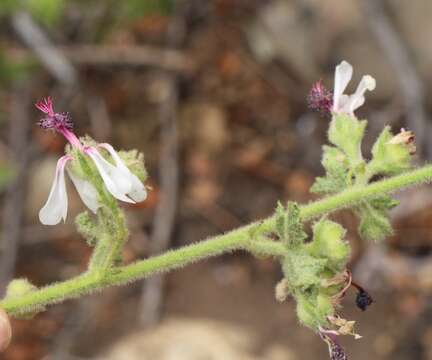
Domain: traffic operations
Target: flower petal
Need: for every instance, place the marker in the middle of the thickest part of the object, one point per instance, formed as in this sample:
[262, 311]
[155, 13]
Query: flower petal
[138, 191]
[343, 75]
[117, 183]
[87, 192]
[357, 99]
[55, 209]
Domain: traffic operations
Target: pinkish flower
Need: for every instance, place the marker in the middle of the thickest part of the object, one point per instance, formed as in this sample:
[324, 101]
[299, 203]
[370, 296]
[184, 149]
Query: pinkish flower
[117, 178]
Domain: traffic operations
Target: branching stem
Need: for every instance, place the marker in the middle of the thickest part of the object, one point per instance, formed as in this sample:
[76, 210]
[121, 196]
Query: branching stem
[249, 238]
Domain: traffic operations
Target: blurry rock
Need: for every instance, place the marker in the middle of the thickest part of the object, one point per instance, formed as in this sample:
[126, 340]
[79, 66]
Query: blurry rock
[203, 192]
[253, 153]
[297, 185]
[281, 31]
[384, 344]
[206, 125]
[336, 16]
[413, 21]
[187, 339]
[375, 63]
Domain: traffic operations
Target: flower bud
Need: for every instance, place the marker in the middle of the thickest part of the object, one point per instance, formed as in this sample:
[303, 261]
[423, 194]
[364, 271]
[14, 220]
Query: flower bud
[19, 287]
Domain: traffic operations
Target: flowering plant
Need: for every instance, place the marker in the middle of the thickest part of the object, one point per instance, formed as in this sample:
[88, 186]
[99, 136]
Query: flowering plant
[315, 269]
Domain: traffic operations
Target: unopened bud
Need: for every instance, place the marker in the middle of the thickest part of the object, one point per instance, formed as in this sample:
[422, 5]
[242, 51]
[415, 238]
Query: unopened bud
[19, 287]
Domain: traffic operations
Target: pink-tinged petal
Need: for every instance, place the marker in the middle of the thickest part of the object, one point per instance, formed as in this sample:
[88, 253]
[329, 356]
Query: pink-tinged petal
[114, 179]
[87, 192]
[55, 209]
[138, 191]
[46, 106]
[357, 99]
[343, 75]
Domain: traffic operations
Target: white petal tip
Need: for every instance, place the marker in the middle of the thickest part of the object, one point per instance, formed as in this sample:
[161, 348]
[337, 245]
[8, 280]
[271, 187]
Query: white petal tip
[370, 82]
[345, 65]
[48, 219]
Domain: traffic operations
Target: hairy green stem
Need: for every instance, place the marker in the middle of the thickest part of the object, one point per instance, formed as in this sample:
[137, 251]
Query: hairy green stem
[111, 223]
[248, 237]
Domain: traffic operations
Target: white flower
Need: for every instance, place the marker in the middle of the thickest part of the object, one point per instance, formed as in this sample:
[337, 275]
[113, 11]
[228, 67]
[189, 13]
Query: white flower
[343, 103]
[137, 191]
[55, 209]
[118, 179]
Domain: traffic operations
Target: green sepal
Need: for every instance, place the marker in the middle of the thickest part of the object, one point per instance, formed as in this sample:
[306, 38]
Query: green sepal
[346, 132]
[389, 158]
[328, 243]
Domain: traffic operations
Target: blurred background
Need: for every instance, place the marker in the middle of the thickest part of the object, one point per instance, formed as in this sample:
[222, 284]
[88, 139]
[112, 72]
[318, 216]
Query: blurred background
[214, 93]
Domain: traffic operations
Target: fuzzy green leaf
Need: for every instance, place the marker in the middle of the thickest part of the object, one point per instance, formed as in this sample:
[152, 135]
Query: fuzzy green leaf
[374, 223]
[302, 270]
[336, 166]
[328, 243]
[313, 308]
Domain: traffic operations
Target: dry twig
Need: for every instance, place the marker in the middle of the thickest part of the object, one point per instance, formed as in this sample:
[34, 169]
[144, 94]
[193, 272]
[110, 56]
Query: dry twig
[15, 197]
[152, 291]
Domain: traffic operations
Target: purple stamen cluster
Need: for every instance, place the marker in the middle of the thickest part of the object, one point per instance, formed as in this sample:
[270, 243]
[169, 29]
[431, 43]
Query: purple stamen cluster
[320, 99]
[53, 120]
